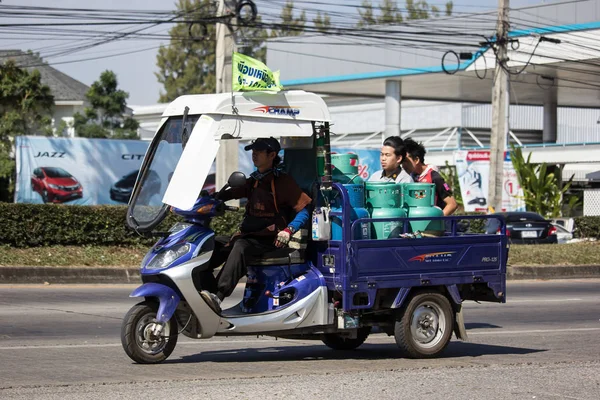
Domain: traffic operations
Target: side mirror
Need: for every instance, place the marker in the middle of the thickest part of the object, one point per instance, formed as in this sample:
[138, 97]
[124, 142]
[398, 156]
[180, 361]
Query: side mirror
[237, 179]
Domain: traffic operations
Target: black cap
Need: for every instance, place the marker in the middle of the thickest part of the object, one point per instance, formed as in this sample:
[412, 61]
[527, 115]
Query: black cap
[270, 144]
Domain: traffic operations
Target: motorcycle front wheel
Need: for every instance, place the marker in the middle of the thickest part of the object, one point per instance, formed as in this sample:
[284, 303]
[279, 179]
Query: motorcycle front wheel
[138, 339]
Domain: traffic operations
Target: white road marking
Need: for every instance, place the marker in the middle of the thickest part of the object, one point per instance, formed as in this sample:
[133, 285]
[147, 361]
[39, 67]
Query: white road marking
[89, 346]
[288, 341]
[508, 301]
[563, 330]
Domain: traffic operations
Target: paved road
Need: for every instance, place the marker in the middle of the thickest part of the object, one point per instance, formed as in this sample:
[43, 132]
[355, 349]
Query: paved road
[62, 342]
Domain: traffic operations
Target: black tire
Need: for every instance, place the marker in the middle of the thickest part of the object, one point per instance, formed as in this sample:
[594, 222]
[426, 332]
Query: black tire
[45, 195]
[134, 335]
[425, 328]
[336, 341]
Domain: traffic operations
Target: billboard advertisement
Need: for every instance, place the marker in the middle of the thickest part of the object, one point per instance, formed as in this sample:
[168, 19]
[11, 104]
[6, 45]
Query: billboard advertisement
[101, 171]
[473, 169]
[83, 171]
[368, 160]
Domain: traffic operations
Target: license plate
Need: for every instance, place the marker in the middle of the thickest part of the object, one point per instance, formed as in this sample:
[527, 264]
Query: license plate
[528, 234]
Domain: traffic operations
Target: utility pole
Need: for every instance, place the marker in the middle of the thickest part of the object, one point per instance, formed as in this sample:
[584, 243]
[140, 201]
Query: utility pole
[500, 102]
[227, 157]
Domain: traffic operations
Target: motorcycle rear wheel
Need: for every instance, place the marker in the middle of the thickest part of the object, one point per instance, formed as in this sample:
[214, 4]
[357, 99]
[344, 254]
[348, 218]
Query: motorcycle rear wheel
[138, 341]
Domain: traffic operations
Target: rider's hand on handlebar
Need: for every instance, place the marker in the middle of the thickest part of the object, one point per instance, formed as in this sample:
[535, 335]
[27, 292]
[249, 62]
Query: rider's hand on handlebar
[283, 237]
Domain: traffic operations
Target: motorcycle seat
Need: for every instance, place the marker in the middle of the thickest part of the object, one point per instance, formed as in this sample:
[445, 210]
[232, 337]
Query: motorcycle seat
[293, 254]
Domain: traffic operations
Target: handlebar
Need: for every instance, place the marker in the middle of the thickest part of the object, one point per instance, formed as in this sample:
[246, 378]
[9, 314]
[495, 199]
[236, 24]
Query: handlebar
[231, 208]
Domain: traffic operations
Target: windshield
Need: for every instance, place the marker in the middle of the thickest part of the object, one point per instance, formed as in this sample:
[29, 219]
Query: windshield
[157, 169]
[54, 172]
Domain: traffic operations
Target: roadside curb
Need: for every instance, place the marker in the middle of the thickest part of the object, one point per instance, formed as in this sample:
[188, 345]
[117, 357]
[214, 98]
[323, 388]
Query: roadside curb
[58, 275]
[517, 272]
[69, 275]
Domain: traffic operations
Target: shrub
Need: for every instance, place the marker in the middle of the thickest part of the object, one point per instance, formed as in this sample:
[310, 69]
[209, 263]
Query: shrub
[587, 227]
[30, 225]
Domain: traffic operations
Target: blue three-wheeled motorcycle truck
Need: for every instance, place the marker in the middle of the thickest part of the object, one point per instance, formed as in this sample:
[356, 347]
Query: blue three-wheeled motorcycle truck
[352, 272]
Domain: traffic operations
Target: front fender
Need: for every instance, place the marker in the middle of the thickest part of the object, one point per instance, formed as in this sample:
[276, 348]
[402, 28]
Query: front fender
[168, 299]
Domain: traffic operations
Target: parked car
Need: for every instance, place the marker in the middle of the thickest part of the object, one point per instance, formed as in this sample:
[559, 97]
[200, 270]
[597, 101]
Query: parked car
[121, 190]
[563, 235]
[525, 228]
[567, 223]
[55, 185]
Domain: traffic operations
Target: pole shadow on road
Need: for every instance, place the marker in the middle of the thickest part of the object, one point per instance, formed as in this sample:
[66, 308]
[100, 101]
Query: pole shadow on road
[320, 352]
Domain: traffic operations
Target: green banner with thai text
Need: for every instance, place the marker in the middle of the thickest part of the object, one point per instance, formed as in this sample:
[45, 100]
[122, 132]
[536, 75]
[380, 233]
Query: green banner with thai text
[250, 74]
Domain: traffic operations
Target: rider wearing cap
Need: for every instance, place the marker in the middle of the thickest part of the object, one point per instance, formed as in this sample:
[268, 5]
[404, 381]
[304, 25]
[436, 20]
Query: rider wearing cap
[276, 208]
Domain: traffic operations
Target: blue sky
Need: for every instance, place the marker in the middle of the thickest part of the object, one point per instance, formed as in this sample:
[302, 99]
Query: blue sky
[134, 62]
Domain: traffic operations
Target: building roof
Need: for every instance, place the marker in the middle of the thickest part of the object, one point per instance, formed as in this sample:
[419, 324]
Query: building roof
[62, 86]
[563, 63]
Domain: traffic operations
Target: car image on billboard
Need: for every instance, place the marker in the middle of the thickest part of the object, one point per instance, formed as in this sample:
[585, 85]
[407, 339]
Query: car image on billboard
[55, 185]
[121, 190]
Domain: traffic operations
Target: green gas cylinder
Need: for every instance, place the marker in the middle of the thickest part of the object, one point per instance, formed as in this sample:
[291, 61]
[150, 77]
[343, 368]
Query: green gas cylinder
[344, 169]
[384, 200]
[419, 201]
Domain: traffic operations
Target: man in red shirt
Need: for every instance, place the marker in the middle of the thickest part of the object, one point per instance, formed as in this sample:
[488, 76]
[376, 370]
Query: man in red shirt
[414, 163]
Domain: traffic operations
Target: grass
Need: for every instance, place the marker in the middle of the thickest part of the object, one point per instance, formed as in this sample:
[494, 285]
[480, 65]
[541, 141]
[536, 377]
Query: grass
[584, 253]
[587, 253]
[64, 256]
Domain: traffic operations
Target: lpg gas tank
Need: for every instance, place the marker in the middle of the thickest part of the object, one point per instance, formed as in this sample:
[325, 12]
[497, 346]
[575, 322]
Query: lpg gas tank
[419, 200]
[384, 200]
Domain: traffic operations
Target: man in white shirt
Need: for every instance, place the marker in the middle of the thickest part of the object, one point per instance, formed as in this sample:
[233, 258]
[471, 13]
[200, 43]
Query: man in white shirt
[391, 158]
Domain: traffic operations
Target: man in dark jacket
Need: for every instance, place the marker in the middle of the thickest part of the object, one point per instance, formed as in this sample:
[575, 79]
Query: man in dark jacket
[276, 208]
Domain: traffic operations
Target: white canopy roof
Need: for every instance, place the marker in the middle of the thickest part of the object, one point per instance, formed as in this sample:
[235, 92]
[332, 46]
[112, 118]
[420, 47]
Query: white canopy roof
[286, 105]
[247, 115]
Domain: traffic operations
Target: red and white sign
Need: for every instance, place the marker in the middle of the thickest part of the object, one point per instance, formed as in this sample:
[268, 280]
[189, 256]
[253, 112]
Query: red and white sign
[473, 169]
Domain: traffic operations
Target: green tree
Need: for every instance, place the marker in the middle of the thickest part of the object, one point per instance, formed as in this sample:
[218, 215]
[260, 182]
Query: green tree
[289, 25]
[422, 10]
[448, 172]
[105, 118]
[389, 13]
[367, 17]
[542, 191]
[25, 109]
[322, 22]
[449, 8]
[187, 64]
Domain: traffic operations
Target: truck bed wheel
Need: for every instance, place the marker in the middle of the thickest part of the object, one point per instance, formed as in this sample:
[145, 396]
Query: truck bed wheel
[336, 341]
[425, 328]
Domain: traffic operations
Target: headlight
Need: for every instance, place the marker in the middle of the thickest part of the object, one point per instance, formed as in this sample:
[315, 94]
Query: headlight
[165, 258]
[53, 186]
